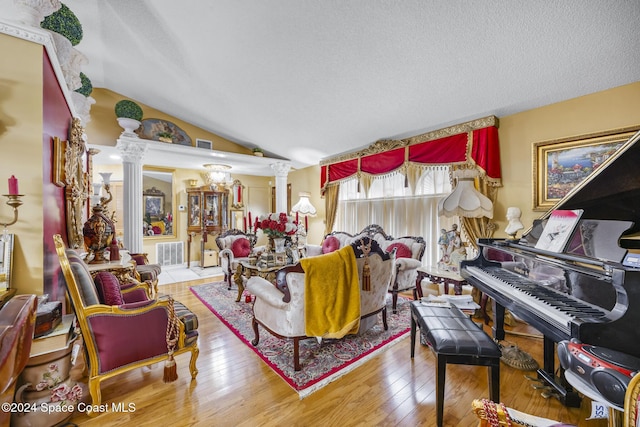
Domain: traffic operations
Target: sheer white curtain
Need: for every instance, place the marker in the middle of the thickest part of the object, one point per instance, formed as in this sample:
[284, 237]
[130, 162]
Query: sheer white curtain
[392, 206]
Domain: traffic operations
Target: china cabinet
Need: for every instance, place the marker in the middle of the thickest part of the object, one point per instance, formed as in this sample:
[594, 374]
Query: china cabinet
[208, 210]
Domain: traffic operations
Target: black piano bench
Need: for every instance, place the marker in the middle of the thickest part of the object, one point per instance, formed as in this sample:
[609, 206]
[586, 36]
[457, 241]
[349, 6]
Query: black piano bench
[455, 338]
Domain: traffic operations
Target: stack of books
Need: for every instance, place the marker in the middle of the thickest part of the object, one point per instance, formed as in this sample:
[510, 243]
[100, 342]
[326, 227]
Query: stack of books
[59, 338]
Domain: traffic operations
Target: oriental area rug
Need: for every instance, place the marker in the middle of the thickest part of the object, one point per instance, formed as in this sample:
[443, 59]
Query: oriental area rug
[321, 363]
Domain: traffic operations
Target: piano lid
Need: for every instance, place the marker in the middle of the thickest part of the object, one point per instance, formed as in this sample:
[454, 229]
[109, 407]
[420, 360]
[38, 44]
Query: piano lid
[611, 192]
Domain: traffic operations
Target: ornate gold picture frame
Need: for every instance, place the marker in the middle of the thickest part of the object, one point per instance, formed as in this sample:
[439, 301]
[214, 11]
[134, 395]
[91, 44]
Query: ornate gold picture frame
[561, 164]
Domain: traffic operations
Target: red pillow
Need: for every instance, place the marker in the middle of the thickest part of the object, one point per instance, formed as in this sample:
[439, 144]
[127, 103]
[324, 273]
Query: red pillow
[330, 244]
[241, 247]
[402, 250]
[108, 288]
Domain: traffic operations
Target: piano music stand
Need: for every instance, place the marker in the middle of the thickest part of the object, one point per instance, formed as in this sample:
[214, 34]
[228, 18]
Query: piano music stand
[616, 413]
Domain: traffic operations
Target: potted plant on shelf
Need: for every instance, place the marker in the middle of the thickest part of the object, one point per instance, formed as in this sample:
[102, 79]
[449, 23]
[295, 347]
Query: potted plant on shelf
[165, 136]
[64, 22]
[257, 151]
[129, 115]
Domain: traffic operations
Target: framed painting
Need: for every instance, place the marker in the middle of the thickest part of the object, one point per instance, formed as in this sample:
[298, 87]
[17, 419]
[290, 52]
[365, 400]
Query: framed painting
[561, 164]
[164, 131]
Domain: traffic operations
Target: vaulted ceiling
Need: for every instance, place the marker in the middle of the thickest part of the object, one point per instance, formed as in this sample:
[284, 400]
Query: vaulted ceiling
[308, 79]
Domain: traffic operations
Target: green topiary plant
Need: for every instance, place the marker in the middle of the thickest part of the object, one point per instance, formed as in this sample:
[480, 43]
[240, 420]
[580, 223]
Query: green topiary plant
[86, 87]
[64, 22]
[128, 109]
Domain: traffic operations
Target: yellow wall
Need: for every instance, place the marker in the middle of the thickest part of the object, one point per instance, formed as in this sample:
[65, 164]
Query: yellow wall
[21, 130]
[611, 109]
[103, 128]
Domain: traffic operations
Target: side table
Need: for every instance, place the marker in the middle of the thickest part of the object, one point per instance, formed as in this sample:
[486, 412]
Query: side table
[447, 278]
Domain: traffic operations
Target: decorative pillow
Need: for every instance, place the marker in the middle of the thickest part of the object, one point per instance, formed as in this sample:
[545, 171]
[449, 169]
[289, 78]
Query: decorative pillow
[108, 288]
[402, 250]
[330, 244]
[241, 247]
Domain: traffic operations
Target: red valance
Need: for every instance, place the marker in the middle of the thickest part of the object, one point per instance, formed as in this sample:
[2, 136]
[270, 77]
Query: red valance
[481, 145]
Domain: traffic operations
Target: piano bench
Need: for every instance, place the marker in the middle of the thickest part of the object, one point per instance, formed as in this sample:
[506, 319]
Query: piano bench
[455, 338]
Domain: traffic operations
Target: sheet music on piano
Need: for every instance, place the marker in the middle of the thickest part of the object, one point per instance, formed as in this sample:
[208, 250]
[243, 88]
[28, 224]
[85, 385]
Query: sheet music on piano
[559, 229]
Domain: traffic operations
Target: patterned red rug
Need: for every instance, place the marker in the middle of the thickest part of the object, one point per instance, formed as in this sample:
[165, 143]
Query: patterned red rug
[321, 363]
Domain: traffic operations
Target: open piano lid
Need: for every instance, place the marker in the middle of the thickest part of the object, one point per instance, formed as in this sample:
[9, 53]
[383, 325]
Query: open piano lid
[610, 199]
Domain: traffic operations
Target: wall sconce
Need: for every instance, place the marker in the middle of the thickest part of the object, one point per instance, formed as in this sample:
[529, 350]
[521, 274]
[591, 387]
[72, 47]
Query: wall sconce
[192, 182]
[14, 201]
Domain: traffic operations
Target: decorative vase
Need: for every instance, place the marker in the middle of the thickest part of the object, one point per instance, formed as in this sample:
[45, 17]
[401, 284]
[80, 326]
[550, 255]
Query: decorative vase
[98, 233]
[279, 243]
[129, 126]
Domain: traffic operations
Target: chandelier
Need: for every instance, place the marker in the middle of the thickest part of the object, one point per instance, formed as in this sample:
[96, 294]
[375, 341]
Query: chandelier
[217, 175]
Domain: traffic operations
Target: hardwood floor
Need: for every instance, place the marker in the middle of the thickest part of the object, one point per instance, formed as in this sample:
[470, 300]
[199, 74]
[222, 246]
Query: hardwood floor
[235, 388]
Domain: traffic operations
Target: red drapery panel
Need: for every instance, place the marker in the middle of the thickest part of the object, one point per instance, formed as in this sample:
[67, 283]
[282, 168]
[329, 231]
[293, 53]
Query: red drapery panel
[380, 163]
[451, 149]
[484, 150]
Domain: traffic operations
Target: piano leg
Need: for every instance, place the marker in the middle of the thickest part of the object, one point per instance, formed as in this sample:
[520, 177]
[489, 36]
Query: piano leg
[498, 321]
[562, 389]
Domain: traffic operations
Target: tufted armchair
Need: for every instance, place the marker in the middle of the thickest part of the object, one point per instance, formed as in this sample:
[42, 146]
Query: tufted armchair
[409, 252]
[121, 335]
[282, 310]
[235, 246]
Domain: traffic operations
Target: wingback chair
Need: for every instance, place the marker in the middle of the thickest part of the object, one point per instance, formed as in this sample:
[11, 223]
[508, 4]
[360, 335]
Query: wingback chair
[235, 246]
[145, 271]
[121, 336]
[280, 309]
[17, 322]
[409, 253]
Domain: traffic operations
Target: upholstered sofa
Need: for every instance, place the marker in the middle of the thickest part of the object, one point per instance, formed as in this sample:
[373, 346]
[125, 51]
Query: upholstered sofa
[295, 308]
[235, 246]
[409, 252]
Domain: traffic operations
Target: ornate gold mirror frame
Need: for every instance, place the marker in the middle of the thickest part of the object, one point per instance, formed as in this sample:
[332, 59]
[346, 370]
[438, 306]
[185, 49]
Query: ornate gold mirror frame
[69, 159]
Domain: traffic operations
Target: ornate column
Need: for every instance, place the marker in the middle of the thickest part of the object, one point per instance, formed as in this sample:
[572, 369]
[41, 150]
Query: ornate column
[281, 170]
[132, 151]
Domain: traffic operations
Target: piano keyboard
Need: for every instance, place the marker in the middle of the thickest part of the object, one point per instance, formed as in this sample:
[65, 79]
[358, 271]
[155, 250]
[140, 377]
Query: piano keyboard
[556, 307]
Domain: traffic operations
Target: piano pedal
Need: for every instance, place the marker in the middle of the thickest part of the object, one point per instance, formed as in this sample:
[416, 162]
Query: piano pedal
[547, 395]
[541, 387]
[530, 378]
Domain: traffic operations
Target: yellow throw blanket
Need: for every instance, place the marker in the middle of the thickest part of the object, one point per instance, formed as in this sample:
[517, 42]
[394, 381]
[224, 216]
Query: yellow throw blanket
[331, 294]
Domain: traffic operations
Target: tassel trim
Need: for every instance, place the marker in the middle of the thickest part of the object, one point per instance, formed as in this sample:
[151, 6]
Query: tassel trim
[173, 331]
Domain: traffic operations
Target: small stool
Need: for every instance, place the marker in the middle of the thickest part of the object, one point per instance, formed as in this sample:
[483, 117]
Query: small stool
[455, 338]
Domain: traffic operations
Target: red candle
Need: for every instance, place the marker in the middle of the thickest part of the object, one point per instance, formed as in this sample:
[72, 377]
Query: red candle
[250, 218]
[306, 223]
[297, 218]
[13, 185]
[245, 224]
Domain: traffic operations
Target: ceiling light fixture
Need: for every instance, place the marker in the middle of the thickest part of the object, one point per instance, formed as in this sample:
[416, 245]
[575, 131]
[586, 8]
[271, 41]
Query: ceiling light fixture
[218, 175]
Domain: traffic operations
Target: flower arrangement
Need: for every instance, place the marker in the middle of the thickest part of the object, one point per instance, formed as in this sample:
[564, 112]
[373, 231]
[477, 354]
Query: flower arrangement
[276, 225]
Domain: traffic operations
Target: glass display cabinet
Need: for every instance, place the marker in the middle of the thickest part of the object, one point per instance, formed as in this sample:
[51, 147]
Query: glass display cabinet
[208, 209]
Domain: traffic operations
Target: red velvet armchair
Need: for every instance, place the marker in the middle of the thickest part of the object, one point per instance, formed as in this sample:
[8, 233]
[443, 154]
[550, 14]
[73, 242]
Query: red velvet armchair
[121, 335]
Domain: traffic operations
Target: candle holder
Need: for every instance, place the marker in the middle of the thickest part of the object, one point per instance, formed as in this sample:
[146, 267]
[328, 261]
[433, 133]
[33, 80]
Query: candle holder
[14, 201]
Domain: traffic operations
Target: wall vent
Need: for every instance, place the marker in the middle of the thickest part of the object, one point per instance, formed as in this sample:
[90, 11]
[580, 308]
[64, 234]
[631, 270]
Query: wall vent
[171, 253]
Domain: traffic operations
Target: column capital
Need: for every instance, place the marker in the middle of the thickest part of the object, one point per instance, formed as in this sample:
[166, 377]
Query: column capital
[132, 150]
[281, 169]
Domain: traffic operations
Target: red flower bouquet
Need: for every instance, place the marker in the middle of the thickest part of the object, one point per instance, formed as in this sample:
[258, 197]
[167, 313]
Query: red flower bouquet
[277, 225]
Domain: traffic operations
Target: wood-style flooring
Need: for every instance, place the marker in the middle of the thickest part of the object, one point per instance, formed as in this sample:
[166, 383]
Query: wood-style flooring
[235, 387]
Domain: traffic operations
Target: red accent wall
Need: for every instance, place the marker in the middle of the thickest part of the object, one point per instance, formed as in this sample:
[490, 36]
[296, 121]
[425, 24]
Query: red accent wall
[56, 121]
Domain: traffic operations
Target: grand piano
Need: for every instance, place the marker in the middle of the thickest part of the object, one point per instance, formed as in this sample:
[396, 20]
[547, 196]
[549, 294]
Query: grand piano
[590, 291]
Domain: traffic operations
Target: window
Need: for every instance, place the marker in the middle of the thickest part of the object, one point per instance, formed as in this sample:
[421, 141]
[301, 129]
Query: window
[392, 206]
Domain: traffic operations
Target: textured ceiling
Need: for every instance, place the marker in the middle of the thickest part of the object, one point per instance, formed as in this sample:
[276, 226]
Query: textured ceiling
[308, 79]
